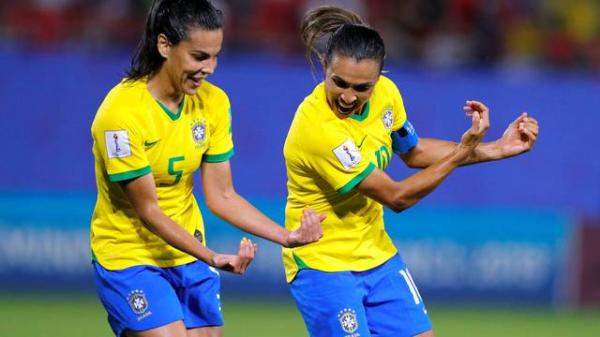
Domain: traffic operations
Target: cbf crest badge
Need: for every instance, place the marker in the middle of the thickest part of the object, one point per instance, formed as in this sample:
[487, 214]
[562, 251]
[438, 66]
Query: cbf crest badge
[348, 321]
[388, 118]
[137, 301]
[199, 131]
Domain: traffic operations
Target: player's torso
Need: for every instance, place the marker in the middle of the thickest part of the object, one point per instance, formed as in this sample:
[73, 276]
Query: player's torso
[370, 132]
[174, 145]
[354, 235]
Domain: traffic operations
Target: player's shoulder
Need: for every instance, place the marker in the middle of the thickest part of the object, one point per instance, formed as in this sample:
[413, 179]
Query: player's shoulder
[127, 92]
[210, 92]
[125, 95]
[314, 122]
[385, 83]
[314, 109]
[122, 103]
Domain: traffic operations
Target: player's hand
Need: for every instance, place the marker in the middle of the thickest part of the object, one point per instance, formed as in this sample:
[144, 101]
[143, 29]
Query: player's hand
[480, 123]
[519, 137]
[236, 263]
[310, 229]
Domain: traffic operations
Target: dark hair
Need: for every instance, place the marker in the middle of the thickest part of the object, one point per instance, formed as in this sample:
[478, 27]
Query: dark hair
[173, 18]
[346, 34]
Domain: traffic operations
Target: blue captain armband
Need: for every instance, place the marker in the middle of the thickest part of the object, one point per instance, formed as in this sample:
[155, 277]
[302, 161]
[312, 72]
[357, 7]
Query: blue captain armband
[404, 139]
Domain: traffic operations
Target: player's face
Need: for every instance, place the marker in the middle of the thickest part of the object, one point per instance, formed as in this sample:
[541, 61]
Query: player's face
[194, 58]
[349, 84]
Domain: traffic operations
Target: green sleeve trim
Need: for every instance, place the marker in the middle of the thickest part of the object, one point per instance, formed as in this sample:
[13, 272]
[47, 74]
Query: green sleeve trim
[356, 180]
[129, 175]
[218, 158]
[301, 265]
[94, 258]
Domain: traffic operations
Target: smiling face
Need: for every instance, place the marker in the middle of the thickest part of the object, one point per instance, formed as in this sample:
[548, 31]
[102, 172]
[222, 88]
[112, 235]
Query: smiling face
[349, 84]
[191, 60]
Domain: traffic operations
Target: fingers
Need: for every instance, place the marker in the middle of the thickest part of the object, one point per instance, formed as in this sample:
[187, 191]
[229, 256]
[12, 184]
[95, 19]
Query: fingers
[475, 120]
[471, 106]
[525, 118]
[313, 220]
[530, 123]
[529, 134]
[246, 254]
[528, 127]
[480, 115]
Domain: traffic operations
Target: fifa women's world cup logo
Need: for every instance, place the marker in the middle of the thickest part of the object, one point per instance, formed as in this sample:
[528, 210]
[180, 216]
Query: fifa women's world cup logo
[347, 150]
[116, 138]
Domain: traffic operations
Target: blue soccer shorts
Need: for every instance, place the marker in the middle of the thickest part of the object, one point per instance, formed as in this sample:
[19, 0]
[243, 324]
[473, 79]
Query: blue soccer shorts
[146, 297]
[382, 302]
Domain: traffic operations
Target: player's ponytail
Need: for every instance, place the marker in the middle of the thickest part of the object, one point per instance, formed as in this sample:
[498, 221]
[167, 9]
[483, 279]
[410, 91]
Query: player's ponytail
[174, 19]
[328, 30]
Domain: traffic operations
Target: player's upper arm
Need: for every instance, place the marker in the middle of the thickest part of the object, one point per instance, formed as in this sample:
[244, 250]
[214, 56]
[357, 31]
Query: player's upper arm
[141, 193]
[383, 189]
[217, 184]
[118, 140]
[220, 146]
[405, 143]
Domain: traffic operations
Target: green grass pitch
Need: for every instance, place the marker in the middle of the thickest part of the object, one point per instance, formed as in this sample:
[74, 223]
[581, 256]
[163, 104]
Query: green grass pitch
[83, 316]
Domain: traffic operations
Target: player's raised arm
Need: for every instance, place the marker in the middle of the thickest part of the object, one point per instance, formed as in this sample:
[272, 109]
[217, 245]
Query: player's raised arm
[518, 138]
[400, 195]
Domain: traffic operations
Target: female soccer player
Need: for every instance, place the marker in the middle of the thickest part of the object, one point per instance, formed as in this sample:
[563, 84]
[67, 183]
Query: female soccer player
[353, 282]
[154, 273]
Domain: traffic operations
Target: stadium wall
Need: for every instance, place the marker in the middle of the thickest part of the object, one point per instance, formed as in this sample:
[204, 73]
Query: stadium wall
[457, 254]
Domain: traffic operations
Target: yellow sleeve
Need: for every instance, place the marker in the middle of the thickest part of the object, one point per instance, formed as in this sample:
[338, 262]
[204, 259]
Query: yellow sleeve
[220, 144]
[120, 143]
[335, 157]
[398, 105]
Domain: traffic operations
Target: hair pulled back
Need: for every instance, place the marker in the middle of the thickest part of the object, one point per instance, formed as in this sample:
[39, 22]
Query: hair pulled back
[345, 34]
[174, 19]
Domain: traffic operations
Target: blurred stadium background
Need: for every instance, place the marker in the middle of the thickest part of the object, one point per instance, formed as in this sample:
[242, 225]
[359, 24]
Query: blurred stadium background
[503, 249]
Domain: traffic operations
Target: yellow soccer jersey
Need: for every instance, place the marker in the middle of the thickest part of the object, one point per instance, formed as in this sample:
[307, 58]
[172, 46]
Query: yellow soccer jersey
[134, 135]
[326, 157]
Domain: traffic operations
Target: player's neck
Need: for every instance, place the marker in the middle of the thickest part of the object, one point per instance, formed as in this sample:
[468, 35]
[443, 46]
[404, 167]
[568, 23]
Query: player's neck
[164, 90]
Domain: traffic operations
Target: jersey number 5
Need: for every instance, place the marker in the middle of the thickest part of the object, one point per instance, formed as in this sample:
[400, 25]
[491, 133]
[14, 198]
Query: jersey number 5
[173, 172]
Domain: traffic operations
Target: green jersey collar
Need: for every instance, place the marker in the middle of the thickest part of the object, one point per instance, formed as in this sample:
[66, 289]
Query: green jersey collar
[364, 114]
[171, 114]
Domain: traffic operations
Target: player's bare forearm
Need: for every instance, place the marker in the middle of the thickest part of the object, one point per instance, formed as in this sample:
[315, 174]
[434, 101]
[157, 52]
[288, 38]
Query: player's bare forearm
[430, 151]
[142, 195]
[234, 209]
[173, 234]
[403, 194]
[222, 199]
[484, 152]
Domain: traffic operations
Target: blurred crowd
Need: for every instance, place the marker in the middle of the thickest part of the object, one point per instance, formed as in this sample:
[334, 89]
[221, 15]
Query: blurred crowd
[448, 33]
